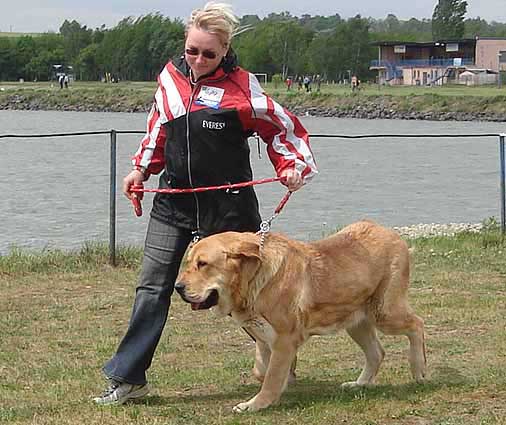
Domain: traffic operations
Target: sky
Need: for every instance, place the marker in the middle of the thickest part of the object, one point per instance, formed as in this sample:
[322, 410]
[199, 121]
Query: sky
[48, 15]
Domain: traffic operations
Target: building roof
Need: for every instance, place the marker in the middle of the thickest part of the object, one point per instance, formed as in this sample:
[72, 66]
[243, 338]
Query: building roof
[424, 43]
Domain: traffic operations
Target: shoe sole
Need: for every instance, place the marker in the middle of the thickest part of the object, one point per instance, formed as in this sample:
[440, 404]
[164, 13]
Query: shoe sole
[139, 393]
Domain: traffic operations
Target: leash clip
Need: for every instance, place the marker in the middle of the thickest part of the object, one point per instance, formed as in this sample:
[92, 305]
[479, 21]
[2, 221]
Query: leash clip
[196, 237]
[265, 226]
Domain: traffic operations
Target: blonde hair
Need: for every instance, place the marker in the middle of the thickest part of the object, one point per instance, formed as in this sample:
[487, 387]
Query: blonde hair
[217, 19]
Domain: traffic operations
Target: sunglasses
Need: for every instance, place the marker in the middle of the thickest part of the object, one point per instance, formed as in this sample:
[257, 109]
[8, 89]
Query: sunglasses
[193, 51]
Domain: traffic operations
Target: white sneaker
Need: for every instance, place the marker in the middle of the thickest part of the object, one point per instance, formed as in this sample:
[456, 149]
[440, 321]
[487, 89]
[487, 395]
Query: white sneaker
[120, 392]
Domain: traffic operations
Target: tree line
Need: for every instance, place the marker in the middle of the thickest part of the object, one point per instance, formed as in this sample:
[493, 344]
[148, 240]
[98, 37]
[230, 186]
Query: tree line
[137, 48]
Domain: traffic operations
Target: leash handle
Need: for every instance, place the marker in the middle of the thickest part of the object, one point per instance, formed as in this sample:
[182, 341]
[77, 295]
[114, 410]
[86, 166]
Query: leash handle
[136, 199]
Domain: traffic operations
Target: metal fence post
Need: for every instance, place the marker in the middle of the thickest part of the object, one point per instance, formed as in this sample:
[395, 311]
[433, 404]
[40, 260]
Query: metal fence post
[503, 197]
[112, 201]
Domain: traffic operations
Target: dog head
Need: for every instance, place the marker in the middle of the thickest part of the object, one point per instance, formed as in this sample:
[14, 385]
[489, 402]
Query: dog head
[218, 271]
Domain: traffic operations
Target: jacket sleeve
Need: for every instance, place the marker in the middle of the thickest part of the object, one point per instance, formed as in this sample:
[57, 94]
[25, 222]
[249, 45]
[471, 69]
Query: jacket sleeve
[287, 140]
[151, 152]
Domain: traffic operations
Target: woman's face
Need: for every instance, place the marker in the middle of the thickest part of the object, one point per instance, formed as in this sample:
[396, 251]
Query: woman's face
[203, 52]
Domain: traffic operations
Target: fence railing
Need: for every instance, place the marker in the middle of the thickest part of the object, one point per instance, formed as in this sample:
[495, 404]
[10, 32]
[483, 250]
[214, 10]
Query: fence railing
[501, 137]
[414, 63]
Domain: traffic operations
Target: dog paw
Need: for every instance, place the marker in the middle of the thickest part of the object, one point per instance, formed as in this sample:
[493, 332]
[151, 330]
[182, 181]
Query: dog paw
[352, 384]
[247, 406]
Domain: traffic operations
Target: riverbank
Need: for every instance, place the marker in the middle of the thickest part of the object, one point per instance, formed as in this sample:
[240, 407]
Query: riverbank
[373, 102]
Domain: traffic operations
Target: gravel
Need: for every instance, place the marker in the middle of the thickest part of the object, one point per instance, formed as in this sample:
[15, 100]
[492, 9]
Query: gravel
[434, 229]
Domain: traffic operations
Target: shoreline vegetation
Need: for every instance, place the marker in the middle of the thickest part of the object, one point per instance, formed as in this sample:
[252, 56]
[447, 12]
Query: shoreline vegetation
[448, 103]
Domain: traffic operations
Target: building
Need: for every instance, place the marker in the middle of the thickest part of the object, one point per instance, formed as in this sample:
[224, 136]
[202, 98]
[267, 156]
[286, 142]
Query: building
[440, 62]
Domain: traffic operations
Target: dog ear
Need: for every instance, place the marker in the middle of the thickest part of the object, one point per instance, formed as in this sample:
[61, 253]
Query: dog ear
[245, 249]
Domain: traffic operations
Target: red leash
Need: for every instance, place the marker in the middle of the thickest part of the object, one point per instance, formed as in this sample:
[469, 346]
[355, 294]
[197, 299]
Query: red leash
[138, 192]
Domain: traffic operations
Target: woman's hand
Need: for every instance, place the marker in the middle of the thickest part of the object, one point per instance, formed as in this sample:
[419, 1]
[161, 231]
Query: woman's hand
[135, 177]
[292, 179]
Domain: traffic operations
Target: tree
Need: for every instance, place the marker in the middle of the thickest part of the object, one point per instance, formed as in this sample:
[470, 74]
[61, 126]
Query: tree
[448, 19]
[76, 37]
[7, 59]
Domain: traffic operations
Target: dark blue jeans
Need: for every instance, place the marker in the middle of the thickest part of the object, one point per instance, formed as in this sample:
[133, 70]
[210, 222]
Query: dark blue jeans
[163, 251]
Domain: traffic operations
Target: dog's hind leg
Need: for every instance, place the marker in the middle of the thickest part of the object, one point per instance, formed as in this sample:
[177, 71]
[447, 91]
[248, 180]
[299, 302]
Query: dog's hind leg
[364, 334]
[405, 322]
[395, 316]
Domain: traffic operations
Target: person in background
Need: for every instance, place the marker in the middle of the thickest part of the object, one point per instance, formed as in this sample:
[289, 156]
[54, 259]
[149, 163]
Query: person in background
[288, 83]
[204, 110]
[307, 83]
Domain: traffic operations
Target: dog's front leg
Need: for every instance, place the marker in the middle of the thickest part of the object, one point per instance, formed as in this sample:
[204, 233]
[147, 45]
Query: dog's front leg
[262, 358]
[283, 353]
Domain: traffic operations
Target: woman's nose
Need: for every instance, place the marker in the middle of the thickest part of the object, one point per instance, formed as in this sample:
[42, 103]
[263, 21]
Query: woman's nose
[200, 58]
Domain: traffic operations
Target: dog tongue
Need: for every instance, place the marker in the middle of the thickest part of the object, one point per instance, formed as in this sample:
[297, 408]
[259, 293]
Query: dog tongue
[195, 306]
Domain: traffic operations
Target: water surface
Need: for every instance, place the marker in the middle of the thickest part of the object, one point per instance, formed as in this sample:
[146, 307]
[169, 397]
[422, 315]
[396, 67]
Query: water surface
[54, 192]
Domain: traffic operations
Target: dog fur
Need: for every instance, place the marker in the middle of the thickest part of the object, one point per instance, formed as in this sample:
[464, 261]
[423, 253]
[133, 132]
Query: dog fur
[287, 291]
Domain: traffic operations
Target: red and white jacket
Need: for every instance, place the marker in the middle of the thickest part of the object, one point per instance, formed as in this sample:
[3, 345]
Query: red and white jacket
[197, 135]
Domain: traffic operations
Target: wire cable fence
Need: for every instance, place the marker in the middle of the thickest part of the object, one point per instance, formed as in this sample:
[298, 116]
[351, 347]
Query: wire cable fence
[501, 137]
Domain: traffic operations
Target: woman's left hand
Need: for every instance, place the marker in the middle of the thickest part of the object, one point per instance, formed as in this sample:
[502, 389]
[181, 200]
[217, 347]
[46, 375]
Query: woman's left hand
[292, 179]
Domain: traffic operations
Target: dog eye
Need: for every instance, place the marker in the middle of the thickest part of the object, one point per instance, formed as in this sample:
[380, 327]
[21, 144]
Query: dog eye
[201, 264]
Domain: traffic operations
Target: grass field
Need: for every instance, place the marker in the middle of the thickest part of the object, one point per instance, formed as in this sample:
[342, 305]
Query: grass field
[19, 34]
[477, 102]
[62, 314]
[334, 89]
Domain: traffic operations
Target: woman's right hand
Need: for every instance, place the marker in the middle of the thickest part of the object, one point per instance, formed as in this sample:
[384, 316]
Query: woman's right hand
[135, 177]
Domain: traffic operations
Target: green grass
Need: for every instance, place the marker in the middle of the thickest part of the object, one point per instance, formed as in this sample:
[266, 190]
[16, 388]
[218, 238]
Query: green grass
[62, 315]
[333, 89]
[138, 96]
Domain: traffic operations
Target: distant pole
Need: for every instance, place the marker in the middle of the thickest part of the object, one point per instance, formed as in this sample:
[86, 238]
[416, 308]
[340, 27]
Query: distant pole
[499, 70]
[112, 201]
[503, 179]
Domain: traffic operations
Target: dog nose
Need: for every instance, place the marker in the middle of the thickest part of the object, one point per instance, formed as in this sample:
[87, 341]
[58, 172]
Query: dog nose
[180, 287]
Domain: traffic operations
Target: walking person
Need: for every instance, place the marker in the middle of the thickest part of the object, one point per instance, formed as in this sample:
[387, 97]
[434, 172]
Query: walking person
[307, 83]
[204, 110]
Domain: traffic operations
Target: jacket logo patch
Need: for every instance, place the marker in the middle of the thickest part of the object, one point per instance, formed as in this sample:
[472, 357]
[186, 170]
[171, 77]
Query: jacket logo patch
[210, 96]
[213, 125]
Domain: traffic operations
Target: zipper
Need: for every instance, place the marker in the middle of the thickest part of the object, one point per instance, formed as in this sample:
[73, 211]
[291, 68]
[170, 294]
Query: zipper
[188, 161]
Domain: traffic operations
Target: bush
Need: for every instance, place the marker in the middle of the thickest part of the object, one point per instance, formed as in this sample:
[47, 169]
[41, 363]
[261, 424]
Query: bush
[277, 79]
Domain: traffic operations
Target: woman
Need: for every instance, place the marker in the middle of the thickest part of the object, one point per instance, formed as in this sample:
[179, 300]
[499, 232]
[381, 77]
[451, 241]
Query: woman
[205, 108]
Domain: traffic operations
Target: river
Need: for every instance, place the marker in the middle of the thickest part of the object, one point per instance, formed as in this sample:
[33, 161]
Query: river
[54, 191]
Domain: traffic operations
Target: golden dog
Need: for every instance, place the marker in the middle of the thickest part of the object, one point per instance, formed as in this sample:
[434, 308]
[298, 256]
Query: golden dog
[286, 291]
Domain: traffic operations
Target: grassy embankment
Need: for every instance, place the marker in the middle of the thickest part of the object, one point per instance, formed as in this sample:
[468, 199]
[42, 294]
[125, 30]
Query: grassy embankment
[19, 34]
[137, 96]
[62, 314]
